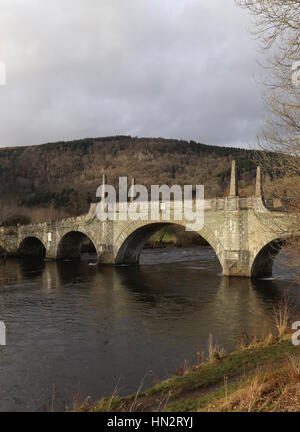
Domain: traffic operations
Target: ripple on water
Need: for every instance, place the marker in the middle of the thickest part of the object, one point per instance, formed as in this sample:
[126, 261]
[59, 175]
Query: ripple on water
[83, 328]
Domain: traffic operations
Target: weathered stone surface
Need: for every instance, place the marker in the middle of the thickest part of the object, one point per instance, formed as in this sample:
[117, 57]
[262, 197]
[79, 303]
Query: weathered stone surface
[238, 229]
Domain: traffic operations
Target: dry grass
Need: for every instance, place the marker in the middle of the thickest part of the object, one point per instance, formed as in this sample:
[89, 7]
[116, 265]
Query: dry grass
[249, 398]
[215, 352]
[281, 314]
[294, 366]
[182, 369]
[242, 341]
[272, 388]
[200, 362]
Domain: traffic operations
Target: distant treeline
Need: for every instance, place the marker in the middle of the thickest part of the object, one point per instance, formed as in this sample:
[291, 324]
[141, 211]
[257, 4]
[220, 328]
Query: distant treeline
[64, 176]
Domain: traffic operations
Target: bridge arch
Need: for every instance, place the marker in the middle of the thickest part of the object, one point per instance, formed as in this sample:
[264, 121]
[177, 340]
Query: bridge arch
[72, 243]
[262, 265]
[32, 246]
[131, 241]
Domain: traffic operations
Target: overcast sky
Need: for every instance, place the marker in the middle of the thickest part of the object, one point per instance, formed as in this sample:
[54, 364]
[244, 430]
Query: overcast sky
[161, 68]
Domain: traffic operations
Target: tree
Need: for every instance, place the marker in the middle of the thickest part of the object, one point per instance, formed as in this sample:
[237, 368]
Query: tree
[277, 25]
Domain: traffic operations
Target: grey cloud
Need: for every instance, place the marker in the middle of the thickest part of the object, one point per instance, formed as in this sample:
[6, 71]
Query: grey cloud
[172, 68]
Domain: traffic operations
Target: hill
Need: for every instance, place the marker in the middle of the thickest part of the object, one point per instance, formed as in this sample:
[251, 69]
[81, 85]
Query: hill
[60, 179]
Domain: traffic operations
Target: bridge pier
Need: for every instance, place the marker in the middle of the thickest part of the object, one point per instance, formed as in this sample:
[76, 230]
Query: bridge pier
[237, 264]
[51, 242]
[106, 255]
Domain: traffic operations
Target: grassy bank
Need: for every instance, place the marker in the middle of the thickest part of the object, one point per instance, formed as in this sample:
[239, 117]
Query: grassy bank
[175, 236]
[264, 376]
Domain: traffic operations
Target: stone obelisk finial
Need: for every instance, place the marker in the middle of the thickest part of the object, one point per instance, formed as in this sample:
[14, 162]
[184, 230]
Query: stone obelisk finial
[233, 181]
[258, 189]
[132, 194]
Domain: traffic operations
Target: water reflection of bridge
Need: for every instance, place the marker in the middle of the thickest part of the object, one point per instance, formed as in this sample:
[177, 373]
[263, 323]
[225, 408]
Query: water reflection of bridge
[173, 294]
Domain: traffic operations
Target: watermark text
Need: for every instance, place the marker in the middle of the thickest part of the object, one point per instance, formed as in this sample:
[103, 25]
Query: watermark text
[2, 333]
[163, 203]
[2, 74]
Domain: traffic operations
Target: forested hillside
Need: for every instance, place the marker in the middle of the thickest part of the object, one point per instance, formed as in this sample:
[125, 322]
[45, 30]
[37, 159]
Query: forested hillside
[58, 179]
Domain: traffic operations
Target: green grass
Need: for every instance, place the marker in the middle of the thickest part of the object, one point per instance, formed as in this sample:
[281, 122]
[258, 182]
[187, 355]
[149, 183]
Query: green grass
[199, 403]
[167, 238]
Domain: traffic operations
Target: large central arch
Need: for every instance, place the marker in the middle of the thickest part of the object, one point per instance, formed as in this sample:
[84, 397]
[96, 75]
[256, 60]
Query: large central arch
[132, 240]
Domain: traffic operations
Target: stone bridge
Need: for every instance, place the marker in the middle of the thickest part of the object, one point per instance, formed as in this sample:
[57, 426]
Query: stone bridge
[243, 233]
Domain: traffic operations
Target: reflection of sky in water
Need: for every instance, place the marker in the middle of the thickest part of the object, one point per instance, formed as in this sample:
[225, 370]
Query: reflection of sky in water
[84, 328]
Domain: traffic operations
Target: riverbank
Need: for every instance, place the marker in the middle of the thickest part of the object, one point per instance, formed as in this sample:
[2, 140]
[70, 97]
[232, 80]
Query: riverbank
[175, 236]
[264, 376]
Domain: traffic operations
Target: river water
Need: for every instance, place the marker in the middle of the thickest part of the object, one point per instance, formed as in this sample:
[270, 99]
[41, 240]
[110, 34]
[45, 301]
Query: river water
[76, 330]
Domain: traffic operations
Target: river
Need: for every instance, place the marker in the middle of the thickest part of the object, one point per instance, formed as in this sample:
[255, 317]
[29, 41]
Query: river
[76, 330]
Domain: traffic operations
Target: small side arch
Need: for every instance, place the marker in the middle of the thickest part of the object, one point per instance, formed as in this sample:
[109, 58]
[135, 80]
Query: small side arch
[263, 262]
[32, 246]
[73, 243]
